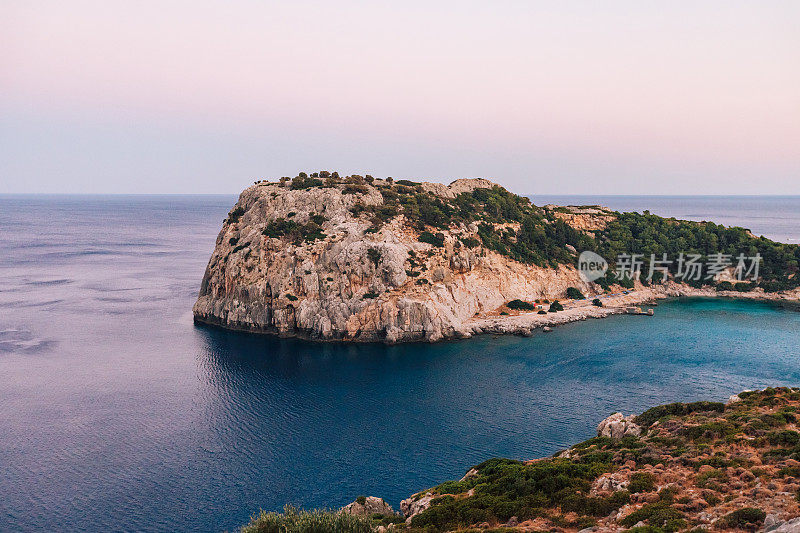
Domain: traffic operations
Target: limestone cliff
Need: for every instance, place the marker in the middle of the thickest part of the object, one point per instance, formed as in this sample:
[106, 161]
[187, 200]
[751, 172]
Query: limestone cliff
[314, 261]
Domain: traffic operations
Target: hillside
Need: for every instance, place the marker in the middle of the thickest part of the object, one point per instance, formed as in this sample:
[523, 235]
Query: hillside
[678, 467]
[363, 259]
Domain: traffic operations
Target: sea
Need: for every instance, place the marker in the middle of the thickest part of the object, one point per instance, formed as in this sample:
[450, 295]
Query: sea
[117, 413]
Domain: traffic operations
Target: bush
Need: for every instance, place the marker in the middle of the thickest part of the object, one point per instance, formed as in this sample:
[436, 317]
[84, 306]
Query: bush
[506, 488]
[470, 242]
[541, 312]
[642, 482]
[355, 188]
[375, 255]
[677, 409]
[746, 518]
[235, 215]
[784, 438]
[724, 286]
[574, 294]
[428, 237]
[555, 307]
[369, 295]
[658, 514]
[597, 303]
[297, 233]
[293, 520]
[521, 304]
[302, 181]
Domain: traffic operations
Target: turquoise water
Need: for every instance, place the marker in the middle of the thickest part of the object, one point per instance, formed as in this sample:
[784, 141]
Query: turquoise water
[117, 414]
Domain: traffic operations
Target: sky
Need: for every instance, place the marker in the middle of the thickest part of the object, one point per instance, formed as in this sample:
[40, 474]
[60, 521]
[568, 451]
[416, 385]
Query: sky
[561, 97]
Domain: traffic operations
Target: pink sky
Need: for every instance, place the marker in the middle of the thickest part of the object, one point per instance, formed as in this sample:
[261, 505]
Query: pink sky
[548, 97]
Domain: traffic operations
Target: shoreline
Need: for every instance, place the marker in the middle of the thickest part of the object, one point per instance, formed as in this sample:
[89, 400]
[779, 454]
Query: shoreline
[526, 323]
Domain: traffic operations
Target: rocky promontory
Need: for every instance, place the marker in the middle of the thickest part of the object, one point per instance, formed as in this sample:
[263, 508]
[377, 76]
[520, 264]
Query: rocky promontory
[362, 259]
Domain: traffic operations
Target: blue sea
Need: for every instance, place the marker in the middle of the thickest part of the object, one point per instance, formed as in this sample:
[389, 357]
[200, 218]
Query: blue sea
[118, 414]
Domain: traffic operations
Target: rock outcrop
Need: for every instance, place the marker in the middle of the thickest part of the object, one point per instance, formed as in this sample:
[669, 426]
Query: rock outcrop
[617, 426]
[411, 507]
[342, 278]
[368, 506]
[371, 260]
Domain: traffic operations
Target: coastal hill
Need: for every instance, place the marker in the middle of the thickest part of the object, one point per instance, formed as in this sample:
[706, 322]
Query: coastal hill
[698, 466]
[362, 259]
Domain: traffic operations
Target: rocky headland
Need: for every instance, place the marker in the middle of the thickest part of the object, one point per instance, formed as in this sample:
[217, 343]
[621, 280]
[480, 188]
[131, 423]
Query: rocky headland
[363, 259]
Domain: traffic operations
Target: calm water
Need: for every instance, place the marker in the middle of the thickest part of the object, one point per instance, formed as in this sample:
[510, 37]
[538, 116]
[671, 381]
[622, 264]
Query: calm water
[117, 414]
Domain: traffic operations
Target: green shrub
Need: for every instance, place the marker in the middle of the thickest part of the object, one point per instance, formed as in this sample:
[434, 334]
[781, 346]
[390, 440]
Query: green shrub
[784, 438]
[236, 214]
[642, 482]
[375, 255]
[291, 297]
[506, 488]
[470, 242]
[746, 518]
[555, 307]
[302, 181]
[428, 237]
[677, 409]
[355, 188]
[597, 303]
[574, 294]
[521, 304]
[370, 295]
[724, 286]
[293, 520]
[659, 514]
[297, 233]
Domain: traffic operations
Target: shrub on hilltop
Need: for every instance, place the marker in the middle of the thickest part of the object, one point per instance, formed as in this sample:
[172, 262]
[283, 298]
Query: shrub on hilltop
[294, 520]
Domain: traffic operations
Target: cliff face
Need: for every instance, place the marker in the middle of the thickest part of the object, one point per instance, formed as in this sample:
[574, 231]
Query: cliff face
[311, 262]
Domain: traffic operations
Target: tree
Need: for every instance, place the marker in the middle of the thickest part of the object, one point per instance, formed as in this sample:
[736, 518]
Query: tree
[574, 294]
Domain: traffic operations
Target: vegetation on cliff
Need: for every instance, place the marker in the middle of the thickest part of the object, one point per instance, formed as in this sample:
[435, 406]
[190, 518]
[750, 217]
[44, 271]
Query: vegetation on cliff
[697, 464]
[511, 225]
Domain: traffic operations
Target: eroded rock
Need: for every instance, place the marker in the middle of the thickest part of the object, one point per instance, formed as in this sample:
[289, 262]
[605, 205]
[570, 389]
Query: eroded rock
[617, 426]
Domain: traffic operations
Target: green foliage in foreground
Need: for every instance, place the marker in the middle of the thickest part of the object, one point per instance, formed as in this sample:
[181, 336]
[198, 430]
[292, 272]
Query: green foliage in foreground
[677, 409]
[293, 520]
[747, 518]
[505, 488]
